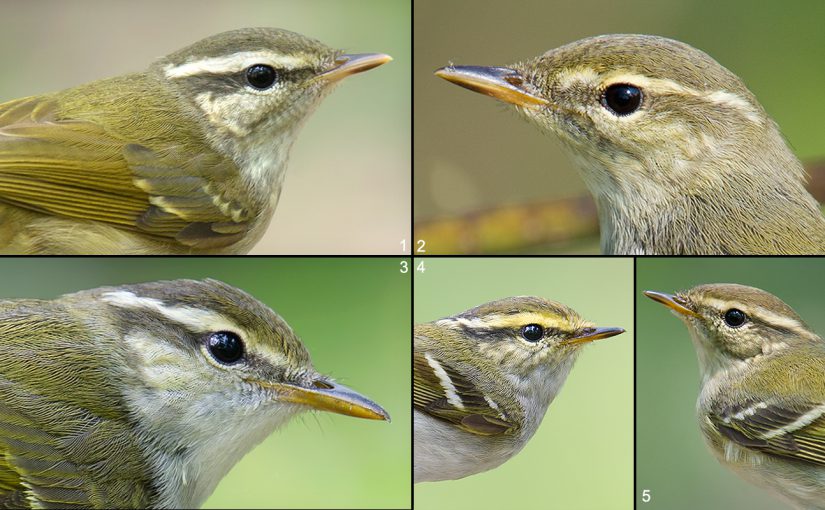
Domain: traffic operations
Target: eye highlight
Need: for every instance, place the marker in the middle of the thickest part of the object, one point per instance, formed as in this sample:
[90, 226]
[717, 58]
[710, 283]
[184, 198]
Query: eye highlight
[532, 332]
[622, 99]
[260, 76]
[735, 318]
[225, 346]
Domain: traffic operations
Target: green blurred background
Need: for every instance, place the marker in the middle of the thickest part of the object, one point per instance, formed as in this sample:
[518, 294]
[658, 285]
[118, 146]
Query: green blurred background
[672, 460]
[352, 314]
[582, 455]
[474, 153]
[351, 163]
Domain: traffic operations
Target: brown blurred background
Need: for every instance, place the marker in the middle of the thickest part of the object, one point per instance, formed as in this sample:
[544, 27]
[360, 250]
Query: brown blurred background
[348, 185]
[486, 181]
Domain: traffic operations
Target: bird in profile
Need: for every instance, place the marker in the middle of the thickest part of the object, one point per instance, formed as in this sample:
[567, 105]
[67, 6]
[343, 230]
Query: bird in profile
[146, 395]
[187, 157]
[679, 155]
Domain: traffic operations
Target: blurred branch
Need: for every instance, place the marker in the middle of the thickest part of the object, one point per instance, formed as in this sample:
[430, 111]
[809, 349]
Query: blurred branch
[511, 228]
[516, 228]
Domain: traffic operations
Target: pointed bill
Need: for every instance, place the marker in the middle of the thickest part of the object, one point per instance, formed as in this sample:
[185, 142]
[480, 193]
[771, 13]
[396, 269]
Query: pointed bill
[671, 301]
[347, 65]
[327, 395]
[501, 83]
[592, 334]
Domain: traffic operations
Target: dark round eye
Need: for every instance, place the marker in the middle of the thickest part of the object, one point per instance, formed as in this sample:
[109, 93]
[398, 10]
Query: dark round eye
[532, 332]
[735, 318]
[622, 99]
[225, 346]
[260, 76]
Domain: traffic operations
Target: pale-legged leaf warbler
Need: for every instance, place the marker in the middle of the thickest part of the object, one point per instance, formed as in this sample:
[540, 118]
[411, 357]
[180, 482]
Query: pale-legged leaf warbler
[483, 379]
[186, 157]
[761, 408]
[679, 155]
[144, 396]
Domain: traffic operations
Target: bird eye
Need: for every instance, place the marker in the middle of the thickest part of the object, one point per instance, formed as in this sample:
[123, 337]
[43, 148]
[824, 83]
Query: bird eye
[260, 76]
[225, 346]
[622, 99]
[532, 332]
[735, 318]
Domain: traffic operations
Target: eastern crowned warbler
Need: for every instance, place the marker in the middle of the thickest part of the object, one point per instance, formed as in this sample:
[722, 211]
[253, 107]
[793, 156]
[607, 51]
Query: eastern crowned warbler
[761, 408]
[680, 156]
[483, 379]
[187, 157]
[144, 396]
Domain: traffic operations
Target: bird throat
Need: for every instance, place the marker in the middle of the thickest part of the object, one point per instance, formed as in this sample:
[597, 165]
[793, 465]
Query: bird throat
[733, 211]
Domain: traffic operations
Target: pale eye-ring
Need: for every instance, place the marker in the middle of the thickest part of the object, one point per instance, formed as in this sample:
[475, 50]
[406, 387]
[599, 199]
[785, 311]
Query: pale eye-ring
[622, 99]
[532, 332]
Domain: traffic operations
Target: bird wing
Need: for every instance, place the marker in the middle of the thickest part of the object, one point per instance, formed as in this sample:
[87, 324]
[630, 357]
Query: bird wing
[78, 169]
[61, 448]
[778, 406]
[13, 494]
[787, 429]
[47, 469]
[463, 404]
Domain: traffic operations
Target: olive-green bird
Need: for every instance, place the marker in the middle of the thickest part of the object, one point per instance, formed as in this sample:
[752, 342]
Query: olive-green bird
[679, 155]
[144, 396]
[483, 380]
[761, 406]
[186, 157]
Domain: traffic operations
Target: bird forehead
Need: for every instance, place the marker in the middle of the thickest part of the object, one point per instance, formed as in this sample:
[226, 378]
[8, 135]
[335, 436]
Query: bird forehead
[271, 40]
[642, 55]
[519, 304]
[632, 52]
[742, 295]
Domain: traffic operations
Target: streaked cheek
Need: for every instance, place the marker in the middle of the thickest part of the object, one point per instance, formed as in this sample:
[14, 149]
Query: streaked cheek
[236, 113]
[161, 362]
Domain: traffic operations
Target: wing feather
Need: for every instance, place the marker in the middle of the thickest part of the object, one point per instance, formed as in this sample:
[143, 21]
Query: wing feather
[791, 430]
[475, 414]
[77, 169]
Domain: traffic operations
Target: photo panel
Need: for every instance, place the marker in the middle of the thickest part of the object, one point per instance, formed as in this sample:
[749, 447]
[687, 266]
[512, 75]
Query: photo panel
[585, 438]
[547, 166]
[676, 468]
[297, 180]
[352, 316]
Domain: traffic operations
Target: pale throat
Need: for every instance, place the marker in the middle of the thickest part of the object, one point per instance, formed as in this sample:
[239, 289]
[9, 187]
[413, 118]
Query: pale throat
[263, 164]
[217, 437]
[537, 390]
[625, 220]
[260, 147]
